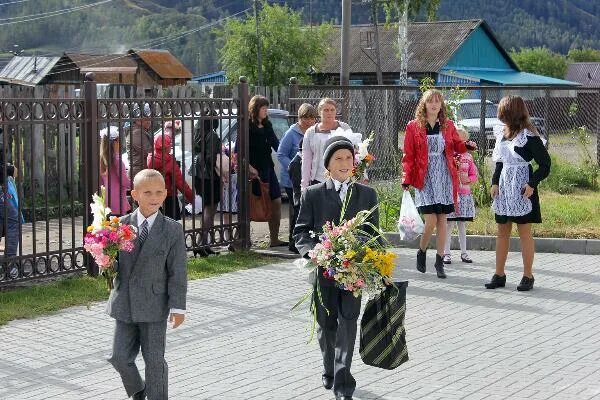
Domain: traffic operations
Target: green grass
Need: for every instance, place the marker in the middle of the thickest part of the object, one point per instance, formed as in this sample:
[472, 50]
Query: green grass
[47, 298]
[575, 216]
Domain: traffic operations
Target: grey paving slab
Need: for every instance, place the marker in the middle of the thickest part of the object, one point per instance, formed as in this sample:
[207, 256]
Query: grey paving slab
[241, 341]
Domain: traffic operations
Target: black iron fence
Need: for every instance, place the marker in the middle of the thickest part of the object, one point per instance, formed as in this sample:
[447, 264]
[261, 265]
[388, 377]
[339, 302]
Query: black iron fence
[51, 167]
[55, 146]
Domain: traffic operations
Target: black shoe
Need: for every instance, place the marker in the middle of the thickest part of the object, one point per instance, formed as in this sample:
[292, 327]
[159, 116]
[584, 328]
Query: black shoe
[327, 381]
[421, 258]
[496, 282]
[293, 249]
[141, 395]
[439, 266]
[200, 253]
[210, 251]
[231, 249]
[343, 397]
[526, 284]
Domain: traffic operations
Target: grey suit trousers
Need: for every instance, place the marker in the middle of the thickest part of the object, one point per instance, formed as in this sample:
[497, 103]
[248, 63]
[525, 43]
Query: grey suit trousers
[151, 338]
[337, 334]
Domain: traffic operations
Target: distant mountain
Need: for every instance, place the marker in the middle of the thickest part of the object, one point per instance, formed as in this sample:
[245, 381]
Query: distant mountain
[184, 26]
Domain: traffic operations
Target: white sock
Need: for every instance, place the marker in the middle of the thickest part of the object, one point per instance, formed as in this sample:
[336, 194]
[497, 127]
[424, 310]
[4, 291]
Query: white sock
[462, 236]
[449, 226]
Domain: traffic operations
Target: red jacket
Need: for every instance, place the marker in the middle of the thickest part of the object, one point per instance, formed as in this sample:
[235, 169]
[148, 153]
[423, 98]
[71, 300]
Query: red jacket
[414, 161]
[166, 165]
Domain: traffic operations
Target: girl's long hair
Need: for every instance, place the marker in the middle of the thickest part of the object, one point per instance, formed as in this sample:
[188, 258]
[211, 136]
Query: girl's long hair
[421, 111]
[513, 112]
[105, 154]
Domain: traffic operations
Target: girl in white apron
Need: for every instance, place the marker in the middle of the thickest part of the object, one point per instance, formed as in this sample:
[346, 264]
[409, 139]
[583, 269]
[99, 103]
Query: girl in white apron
[514, 186]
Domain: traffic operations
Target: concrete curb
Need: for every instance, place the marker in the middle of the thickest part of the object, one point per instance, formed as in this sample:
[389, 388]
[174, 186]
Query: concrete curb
[542, 245]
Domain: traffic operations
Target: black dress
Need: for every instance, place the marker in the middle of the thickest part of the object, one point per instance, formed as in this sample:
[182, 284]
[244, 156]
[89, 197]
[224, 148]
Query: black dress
[527, 147]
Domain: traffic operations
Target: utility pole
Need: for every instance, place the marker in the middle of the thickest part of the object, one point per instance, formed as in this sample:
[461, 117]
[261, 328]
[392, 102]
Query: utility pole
[346, 17]
[258, 49]
[403, 44]
[377, 53]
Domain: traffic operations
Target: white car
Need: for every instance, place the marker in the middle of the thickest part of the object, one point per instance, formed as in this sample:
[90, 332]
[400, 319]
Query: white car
[469, 116]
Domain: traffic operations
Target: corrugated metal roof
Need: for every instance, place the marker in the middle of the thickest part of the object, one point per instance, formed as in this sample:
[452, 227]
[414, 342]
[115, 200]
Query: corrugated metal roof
[431, 45]
[165, 64]
[512, 78]
[27, 71]
[217, 77]
[586, 73]
[103, 62]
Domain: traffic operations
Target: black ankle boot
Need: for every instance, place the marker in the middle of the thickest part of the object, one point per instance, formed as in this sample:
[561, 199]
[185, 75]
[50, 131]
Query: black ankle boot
[439, 266]
[200, 253]
[421, 258]
[526, 284]
[496, 282]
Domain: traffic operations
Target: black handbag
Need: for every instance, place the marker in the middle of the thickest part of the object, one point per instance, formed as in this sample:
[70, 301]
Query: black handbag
[382, 333]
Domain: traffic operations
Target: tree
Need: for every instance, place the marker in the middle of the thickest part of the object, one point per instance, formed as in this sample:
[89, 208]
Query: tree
[541, 61]
[585, 54]
[288, 48]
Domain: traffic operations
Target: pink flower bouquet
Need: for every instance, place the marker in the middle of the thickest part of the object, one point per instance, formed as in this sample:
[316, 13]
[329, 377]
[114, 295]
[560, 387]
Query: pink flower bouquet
[106, 237]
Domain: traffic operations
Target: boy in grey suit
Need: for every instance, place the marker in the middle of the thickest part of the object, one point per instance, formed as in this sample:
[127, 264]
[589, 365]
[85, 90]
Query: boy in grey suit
[337, 316]
[150, 286]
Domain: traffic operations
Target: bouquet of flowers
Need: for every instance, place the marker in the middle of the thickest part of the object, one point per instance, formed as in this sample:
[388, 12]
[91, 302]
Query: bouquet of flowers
[363, 159]
[106, 237]
[352, 257]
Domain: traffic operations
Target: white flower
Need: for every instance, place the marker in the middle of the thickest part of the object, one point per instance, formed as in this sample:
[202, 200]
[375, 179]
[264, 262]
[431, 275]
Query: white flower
[99, 211]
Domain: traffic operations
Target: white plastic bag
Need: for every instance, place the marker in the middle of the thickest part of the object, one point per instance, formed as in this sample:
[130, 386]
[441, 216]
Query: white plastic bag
[410, 224]
[197, 209]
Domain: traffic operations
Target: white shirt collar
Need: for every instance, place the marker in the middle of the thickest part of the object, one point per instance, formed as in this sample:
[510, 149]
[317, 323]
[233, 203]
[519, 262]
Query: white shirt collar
[338, 184]
[141, 218]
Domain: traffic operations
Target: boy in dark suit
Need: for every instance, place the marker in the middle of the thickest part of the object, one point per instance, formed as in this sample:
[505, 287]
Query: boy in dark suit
[150, 287]
[295, 172]
[337, 315]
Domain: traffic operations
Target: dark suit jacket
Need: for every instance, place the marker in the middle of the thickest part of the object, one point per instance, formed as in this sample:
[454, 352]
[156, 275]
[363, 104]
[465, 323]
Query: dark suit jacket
[151, 280]
[295, 171]
[321, 203]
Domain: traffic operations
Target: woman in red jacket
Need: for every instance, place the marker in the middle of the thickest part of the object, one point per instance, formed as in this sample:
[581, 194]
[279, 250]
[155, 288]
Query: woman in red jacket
[429, 145]
[163, 161]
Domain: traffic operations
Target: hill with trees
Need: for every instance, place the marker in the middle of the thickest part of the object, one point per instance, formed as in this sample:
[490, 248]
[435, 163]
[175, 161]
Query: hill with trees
[186, 27]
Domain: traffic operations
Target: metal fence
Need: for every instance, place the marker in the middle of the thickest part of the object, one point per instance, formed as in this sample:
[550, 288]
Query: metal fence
[55, 145]
[563, 116]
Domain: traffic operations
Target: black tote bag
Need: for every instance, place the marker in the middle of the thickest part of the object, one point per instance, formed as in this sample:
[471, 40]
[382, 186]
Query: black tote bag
[382, 333]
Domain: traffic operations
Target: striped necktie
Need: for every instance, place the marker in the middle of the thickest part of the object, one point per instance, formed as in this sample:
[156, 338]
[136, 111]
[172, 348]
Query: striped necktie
[143, 232]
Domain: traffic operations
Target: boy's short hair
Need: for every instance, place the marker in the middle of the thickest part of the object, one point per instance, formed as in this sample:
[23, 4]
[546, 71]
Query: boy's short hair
[307, 111]
[145, 175]
[462, 131]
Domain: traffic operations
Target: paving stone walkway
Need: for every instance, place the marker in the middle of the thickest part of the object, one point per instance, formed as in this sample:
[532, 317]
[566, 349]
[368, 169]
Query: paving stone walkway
[240, 340]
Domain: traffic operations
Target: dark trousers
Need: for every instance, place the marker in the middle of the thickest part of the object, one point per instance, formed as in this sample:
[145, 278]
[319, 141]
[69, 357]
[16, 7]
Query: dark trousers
[151, 338]
[337, 334]
[172, 208]
[11, 229]
[292, 213]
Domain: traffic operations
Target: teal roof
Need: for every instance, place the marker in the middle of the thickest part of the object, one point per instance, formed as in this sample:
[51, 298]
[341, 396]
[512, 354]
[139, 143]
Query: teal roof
[511, 78]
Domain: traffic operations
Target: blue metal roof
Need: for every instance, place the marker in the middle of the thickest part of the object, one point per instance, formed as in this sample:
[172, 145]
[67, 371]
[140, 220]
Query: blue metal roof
[218, 77]
[510, 78]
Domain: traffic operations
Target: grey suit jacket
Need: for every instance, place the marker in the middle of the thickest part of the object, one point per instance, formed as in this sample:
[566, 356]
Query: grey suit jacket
[153, 279]
[321, 203]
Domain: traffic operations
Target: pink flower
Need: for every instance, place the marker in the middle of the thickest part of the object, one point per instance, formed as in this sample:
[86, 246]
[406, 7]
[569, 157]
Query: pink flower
[113, 236]
[327, 244]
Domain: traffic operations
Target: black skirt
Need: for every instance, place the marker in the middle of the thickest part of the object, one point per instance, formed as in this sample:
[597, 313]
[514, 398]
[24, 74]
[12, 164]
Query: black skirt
[534, 216]
[436, 209]
[209, 190]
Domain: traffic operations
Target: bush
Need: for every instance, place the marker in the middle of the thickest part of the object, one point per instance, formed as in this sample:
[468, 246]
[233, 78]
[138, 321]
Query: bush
[565, 177]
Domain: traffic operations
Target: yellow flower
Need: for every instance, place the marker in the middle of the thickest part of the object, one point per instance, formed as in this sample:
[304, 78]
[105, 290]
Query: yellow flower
[350, 254]
[90, 228]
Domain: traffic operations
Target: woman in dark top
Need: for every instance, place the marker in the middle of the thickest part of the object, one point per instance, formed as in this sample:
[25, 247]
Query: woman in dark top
[207, 146]
[261, 140]
[514, 186]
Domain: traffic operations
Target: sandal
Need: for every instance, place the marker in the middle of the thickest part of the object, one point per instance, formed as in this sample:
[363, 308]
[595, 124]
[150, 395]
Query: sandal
[280, 244]
[447, 259]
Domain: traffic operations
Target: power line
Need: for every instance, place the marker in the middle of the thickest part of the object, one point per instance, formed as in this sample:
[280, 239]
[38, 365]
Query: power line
[13, 2]
[50, 13]
[161, 41]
